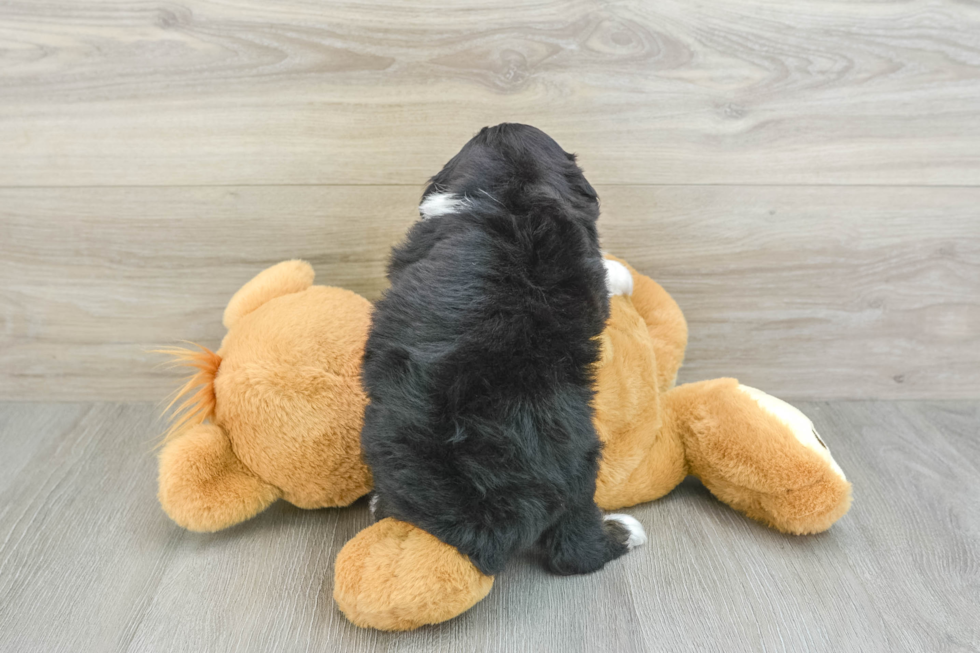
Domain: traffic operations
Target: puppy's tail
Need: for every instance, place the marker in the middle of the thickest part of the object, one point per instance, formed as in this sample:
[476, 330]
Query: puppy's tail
[197, 392]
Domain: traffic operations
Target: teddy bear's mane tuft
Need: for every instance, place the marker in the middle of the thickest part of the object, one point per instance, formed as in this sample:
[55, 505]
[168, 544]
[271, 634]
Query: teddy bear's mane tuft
[197, 392]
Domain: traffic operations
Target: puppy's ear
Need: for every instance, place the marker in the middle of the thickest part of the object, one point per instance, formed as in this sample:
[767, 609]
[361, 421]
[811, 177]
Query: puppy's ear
[281, 279]
[204, 486]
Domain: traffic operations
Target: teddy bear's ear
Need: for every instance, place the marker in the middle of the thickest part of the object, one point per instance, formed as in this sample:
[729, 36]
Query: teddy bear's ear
[204, 486]
[281, 279]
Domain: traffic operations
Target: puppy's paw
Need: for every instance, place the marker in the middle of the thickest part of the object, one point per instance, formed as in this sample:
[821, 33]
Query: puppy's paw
[619, 281]
[380, 509]
[635, 535]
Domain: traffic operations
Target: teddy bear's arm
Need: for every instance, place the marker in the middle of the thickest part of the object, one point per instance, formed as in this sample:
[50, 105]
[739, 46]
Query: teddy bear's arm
[640, 461]
[204, 486]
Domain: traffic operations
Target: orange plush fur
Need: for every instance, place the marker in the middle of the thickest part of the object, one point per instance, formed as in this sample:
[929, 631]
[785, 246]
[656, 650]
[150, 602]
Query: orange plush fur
[394, 576]
[283, 401]
[654, 435]
[283, 406]
[751, 450]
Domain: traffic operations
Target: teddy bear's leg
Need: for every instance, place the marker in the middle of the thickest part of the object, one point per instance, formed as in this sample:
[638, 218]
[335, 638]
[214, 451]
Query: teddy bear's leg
[394, 576]
[642, 465]
[281, 279]
[665, 321]
[204, 486]
[640, 460]
[758, 454]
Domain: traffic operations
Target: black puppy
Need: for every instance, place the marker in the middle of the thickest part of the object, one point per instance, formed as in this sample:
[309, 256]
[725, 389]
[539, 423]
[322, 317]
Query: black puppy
[479, 366]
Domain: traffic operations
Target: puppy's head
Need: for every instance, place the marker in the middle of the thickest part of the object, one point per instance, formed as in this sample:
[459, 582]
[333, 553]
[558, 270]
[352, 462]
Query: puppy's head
[519, 168]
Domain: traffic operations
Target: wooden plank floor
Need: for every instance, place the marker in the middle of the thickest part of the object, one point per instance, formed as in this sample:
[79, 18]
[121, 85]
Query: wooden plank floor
[803, 177]
[89, 562]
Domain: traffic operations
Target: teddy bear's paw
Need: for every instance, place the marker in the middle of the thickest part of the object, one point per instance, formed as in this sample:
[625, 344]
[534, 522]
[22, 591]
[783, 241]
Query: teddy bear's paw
[637, 536]
[619, 281]
[798, 423]
[204, 487]
[394, 576]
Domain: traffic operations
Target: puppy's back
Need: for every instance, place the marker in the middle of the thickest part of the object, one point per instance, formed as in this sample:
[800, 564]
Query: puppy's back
[478, 367]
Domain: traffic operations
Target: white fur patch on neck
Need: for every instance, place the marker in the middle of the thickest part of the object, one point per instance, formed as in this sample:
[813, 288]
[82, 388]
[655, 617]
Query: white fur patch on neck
[438, 204]
[619, 281]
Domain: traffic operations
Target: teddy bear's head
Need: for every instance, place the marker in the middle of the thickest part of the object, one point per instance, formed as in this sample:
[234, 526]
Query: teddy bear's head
[276, 411]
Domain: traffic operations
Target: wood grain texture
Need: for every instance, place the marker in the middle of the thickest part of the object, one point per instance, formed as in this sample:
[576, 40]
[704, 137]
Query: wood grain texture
[802, 291]
[88, 561]
[803, 178]
[815, 292]
[110, 92]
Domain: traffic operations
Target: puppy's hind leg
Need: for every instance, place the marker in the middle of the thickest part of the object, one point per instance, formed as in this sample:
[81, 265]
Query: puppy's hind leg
[582, 541]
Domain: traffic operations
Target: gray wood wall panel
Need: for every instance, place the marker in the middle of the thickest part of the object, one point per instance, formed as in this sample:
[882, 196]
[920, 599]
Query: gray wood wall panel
[816, 292]
[366, 92]
[802, 178]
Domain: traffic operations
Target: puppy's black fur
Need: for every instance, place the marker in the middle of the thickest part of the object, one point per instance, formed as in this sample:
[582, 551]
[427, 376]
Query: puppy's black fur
[479, 362]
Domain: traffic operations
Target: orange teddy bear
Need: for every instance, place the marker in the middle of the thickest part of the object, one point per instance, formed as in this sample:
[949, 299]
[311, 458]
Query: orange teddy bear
[278, 409]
